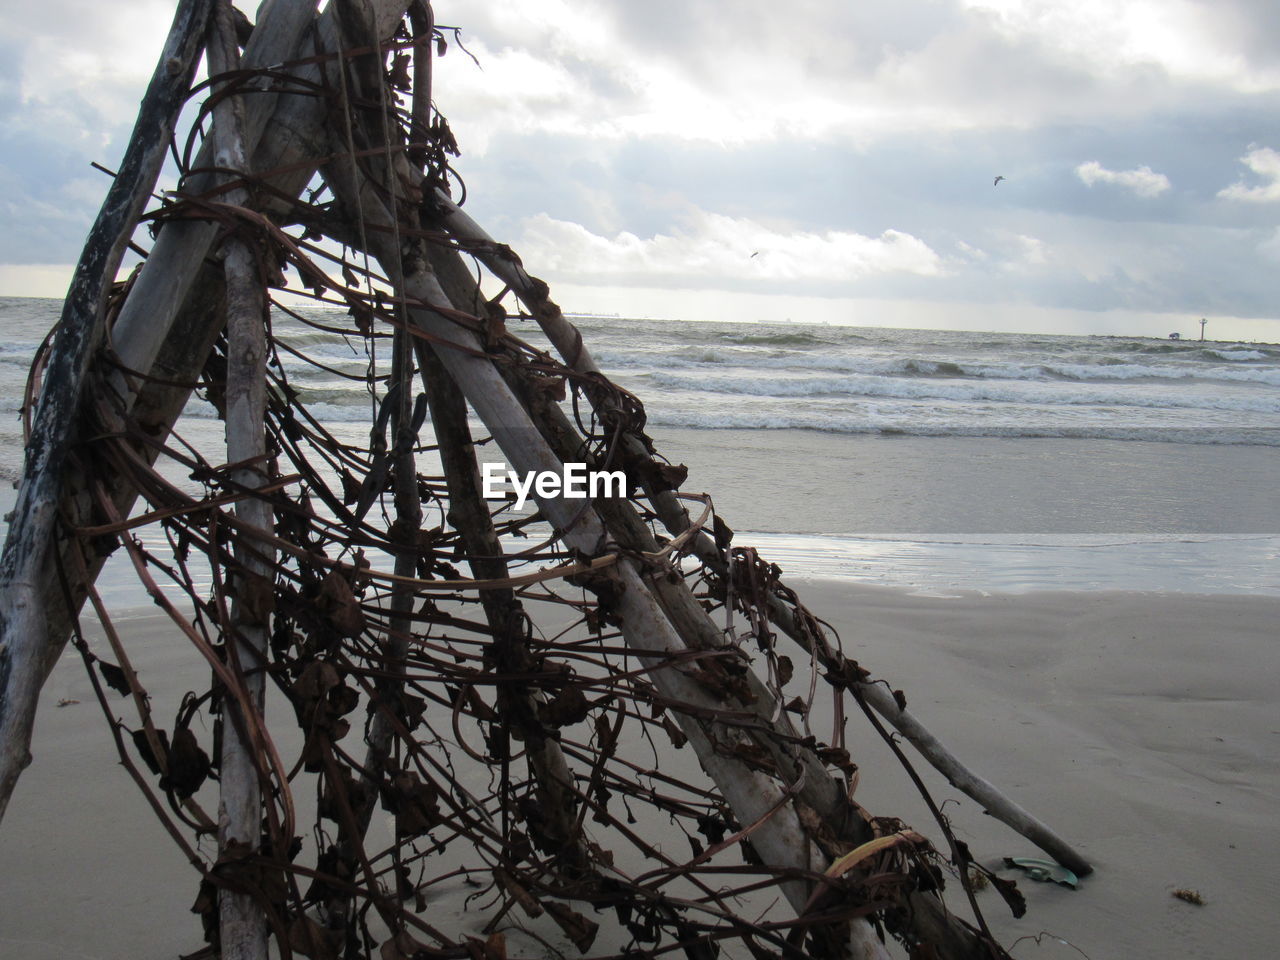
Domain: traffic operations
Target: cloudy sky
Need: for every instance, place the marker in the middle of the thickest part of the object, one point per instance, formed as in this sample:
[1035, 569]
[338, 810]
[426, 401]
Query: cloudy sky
[812, 161]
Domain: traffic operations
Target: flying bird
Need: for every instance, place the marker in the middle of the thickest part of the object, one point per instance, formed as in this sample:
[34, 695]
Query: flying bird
[756, 254]
[996, 182]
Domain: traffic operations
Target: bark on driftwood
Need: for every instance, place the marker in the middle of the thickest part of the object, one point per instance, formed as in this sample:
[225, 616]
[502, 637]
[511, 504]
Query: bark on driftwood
[24, 587]
[243, 930]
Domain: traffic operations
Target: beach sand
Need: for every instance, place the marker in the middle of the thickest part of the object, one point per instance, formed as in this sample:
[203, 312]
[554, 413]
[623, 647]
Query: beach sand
[1145, 728]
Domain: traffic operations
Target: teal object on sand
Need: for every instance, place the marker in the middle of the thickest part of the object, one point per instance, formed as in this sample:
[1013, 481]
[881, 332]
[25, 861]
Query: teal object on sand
[1045, 871]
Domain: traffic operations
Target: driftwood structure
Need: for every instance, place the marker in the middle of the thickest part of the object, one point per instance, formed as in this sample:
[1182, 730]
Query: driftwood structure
[601, 725]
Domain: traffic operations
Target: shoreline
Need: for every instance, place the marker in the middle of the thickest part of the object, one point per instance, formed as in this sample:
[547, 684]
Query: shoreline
[1018, 564]
[1139, 726]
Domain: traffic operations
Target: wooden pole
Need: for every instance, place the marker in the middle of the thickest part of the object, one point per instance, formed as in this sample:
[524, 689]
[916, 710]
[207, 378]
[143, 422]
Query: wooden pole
[503, 611]
[37, 638]
[467, 510]
[781, 840]
[470, 516]
[242, 929]
[182, 245]
[23, 589]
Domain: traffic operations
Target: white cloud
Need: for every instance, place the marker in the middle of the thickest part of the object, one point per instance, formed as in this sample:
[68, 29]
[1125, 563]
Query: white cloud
[715, 251]
[1033, 251]
[833, 70]
[1182, 38]
[1265, 162]
[83, 61]
[1143, 181]
[1270, 248]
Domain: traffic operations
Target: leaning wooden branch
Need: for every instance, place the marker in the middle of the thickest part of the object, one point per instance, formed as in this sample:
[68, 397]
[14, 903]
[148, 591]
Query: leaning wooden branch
[569, 343]
[881, 699]
[24, 591]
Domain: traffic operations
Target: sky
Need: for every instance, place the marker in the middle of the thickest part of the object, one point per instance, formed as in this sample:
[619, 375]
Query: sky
[813, 161]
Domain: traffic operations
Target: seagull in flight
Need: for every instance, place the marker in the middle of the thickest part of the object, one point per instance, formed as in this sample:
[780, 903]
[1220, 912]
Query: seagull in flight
[997, 180]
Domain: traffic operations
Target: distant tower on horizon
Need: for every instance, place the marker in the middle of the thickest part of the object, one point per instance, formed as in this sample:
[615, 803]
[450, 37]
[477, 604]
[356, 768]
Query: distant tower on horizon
[1203, 321]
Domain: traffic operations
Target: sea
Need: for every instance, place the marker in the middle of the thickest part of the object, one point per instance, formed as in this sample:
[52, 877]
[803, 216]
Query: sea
[940, 462]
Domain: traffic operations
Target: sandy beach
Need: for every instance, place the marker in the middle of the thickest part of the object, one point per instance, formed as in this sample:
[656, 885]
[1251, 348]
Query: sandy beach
[1142, 727]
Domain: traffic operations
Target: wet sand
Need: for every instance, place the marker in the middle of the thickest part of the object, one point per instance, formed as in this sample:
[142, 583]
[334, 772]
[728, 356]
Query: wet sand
[807, 481]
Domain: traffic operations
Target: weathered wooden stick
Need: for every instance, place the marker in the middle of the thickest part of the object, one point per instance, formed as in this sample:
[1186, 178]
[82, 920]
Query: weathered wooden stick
[23, 589]
[394, 649]
[467, 510]
[568, 342]
[182, 246]
[780, 840]
[242, 930]
[962, 778]
[422, 18]
[558, 803]
[408, 518]
[470, 516]
[169, 338]
[45, 617]
[881, 699]
[928, 920]
[468, 513]
[504, 613]
[821, 791]
[356, 22]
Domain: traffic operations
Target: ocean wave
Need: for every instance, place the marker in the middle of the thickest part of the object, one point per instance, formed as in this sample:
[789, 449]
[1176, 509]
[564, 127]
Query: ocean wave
[1020, 392]
[333, 394]
[1108, 369]
[1139, 371]
[799, 339]
[300, 370]
[1240, 354]
[835, 363]
[861, 426]
[338, 412]
[310, 338]
[1159, 347]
